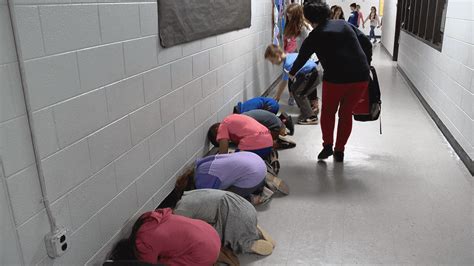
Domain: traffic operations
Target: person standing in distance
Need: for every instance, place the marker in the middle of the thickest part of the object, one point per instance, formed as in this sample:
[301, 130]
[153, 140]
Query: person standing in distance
[354, 16]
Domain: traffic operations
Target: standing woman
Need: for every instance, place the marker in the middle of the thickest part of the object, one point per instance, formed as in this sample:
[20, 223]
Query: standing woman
[298, 27]
[374, 22]
[345, 54]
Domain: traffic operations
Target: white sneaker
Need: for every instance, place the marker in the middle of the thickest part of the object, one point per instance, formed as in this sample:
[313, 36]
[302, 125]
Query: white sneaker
[309, 121]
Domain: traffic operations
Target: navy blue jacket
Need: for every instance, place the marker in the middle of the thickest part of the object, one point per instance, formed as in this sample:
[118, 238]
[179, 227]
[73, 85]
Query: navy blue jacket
[344, 52]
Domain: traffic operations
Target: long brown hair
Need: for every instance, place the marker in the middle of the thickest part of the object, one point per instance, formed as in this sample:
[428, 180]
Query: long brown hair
[334, 9]
[373, 14]
[297, 21]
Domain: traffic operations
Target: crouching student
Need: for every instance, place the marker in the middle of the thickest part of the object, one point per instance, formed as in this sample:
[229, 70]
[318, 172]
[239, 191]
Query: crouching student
[305, 84]
[233, 217]
[242, 173]
[245, 132]
[161, 237]
[274, 124]
[263, 103]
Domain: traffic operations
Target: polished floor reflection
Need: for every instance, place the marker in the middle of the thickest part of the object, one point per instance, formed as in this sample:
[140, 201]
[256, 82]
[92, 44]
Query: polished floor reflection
[402, 197]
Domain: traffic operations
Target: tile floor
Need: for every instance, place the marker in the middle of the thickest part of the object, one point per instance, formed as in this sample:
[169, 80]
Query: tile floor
[402, 197]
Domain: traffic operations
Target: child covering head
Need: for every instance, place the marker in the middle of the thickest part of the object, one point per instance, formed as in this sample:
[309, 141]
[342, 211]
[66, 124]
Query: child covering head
[233, 217]
[161, 237]
[276, 126]
[246, 132]
[305, 83]
[243, 173]
[269, 120]
[263, 103]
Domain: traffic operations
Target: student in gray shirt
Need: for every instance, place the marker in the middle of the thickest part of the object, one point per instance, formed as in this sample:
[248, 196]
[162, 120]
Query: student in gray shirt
[233, 217]
[269, 120]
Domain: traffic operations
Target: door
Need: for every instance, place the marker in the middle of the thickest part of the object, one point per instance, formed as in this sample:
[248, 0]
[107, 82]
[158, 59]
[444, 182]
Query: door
[398, 27]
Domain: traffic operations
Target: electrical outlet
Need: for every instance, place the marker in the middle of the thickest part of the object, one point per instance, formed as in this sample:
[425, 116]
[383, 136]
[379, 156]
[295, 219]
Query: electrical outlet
[57, 242]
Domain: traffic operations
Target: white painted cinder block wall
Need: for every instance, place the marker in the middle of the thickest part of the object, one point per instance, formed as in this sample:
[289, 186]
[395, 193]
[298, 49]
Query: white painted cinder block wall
[389, 21]
[14, 139]
[116, 116]
[446, 78]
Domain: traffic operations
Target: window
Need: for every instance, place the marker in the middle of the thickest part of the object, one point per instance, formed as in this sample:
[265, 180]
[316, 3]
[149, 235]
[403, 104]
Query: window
[424, 19]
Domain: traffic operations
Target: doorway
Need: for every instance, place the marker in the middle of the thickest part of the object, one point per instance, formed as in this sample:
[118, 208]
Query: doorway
[398, 27]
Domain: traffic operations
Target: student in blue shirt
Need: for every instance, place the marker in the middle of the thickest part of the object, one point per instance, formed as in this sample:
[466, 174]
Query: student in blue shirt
[354, 17]
[263, 103]
[303, 86]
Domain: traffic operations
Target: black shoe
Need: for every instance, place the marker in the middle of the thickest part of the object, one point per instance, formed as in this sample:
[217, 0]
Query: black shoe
[339, 156]
[326, 152]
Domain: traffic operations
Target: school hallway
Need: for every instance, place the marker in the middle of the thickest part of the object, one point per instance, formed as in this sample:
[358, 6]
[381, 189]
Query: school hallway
[402, 197]
[104, 104]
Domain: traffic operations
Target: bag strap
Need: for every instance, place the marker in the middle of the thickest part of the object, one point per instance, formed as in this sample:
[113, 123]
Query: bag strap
[380, 123]
[374, 74]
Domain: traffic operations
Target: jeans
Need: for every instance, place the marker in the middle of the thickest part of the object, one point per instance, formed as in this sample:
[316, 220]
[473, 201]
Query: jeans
[372, 32]
[264, 153]
[304, 87]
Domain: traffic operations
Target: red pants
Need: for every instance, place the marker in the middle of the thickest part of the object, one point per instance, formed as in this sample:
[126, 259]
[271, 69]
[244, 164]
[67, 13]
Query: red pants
[344, 96]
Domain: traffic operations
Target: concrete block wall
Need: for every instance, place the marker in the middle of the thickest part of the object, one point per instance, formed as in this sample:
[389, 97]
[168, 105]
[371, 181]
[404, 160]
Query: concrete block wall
[389, 21]
[18, 168]
[116, 116]
[446, 78]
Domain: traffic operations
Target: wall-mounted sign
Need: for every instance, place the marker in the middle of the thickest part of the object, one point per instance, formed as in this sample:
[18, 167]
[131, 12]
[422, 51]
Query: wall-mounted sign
[182, 21]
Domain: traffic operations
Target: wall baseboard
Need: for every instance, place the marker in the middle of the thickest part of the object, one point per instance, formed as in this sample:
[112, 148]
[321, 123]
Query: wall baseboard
[386, 50]
[447, 134]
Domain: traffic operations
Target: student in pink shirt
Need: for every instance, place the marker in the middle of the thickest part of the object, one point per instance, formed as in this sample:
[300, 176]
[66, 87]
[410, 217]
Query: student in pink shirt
[161, 237]
[245, 132]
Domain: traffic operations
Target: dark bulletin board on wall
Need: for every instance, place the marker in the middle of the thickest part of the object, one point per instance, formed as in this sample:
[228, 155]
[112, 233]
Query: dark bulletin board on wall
[182, 21]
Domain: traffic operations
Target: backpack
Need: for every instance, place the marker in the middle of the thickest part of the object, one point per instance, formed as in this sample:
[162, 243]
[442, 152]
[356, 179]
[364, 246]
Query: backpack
[370, 100]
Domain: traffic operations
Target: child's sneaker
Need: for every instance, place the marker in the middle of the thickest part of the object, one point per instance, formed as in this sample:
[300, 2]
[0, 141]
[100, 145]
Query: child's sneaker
[265, 236]
[309, 121]
[276, 184]
[262, 247]
[288, 121]
[263, 198]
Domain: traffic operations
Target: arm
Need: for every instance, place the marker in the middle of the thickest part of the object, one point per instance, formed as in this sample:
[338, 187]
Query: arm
[281, 87]
[379, 24]
[364, 43]
[307, 49]
[223, 146]
[361, 18]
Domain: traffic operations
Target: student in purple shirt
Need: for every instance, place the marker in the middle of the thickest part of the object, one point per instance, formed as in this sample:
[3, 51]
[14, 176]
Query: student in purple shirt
[243, 173]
